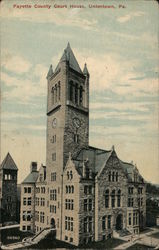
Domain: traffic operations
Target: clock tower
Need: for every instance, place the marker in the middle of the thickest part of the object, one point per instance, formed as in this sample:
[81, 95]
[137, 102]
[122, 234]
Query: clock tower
[67, 121]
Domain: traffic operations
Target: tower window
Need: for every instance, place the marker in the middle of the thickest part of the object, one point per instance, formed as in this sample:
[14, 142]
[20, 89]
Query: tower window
[76, 94]
[119, 198]
[113, 198]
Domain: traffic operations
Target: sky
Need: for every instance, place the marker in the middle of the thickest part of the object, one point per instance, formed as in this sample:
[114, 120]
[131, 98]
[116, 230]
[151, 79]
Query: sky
[119, 45]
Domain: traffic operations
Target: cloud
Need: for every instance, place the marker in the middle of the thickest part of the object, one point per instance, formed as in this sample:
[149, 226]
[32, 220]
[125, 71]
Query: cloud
[129, 16]
[14, 63]
[60, 17]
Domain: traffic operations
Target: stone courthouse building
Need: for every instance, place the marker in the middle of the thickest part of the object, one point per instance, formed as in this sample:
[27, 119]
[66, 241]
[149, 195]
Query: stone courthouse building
[86, 193]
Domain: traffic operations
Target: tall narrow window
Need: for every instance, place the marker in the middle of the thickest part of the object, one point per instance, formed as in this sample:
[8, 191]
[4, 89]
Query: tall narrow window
[103, 222]
[109, 221]
[71, 91]
[116, 176]
[56, 93]
[109, 176]
[107, 198]
[113, 176]
[113, 198]
[119, 198]
[53, 95]
[76, 94]
[81, 95]
[59, 91]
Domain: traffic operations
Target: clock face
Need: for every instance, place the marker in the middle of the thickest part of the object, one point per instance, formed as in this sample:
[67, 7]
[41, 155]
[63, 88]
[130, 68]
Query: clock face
[54, 123]
[76, 122]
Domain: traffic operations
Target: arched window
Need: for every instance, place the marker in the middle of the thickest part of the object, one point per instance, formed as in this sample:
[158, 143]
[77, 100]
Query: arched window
[113, 198]
[71, 175]
[109, 176]
[69, 189]
[119, 198]
[59, 91]
[72, 189]
[68, 175]
[113, 176]
[66, 189]
[81, 95]
[116, 176]
[71, 91]
[107, 198]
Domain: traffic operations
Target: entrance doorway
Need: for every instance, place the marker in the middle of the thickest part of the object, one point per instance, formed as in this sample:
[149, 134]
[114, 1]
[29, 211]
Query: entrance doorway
[119, 222]
[52, 223]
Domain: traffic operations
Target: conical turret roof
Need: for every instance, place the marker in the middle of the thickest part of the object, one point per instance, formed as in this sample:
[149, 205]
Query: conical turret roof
[68, 56]
[8, 163]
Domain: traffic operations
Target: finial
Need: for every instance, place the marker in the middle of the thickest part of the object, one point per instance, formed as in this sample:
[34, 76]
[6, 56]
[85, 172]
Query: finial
[50, 72]
[85, 70]
[113, 148]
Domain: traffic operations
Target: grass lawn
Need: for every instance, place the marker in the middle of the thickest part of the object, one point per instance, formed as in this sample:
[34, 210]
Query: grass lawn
[51, 243]
[139, 247]
[12, 235]
[155, 235]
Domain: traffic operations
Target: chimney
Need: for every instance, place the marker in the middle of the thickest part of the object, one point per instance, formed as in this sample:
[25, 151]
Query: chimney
[33, 166]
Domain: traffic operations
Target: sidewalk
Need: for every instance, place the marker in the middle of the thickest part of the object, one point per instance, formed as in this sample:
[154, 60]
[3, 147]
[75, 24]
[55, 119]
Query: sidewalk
[144, 239]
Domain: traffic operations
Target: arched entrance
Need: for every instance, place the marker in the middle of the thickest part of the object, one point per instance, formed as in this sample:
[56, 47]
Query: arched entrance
[52, 223]
[119, 222]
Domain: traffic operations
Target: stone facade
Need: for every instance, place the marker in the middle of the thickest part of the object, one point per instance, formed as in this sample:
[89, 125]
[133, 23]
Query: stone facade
[90, 194]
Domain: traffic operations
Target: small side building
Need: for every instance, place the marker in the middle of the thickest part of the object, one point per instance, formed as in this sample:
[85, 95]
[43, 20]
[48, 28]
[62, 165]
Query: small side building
[8, 190]
[28, 189]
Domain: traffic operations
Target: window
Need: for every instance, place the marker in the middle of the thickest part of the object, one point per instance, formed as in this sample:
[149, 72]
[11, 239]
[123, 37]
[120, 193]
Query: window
[53, 176]
[27, 189]
[119, 198]
[76, 94]
[53, 194]
[24, 228]
[90, 224]
[29, 201]
[53, 140]
[81, 95]
[52, 209]
[85, 225]
[71, 239]
[113, 198]
[54, 156]
[130, 202]
[71, 175]
[69, 223]
[71, 91]
[24, 201]
[55, 93]
[87, 189]
[66, 237]
[69, 204]
[109, 176]
[59, 91]
[76, 138]
[109, 221]
[42, 202]
[140, 190]
[90, 204]
[113, 176]
[130, 190]
[42, 217]
[43, 190]
[107, 198]
[85, 204]
[129, 218]
[103, 222]
[116, 176]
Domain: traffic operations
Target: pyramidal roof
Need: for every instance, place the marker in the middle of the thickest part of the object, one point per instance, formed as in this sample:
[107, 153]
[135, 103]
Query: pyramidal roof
[8, 163]
[69, 57]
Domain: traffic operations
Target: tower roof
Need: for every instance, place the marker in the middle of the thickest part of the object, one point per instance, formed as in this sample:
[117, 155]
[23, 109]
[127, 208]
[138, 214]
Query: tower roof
[8, 163]
[50, 72]
[68, 56]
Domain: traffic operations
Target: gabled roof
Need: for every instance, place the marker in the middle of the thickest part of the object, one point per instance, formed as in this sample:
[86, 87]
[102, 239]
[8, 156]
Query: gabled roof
[69, 57]
[95, 156]
[31, 178]
[8, 163]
